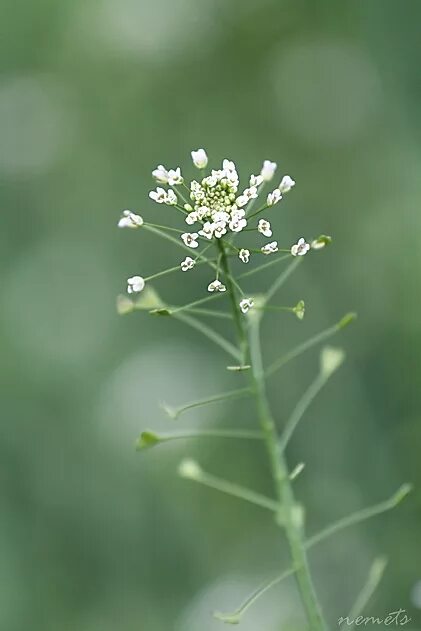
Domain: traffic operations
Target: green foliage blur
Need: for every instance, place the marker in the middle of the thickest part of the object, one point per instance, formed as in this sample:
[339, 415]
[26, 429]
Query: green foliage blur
[93, 95]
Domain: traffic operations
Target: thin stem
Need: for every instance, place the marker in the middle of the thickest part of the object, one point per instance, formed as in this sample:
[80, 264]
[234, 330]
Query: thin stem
[216, 398]
[257, 212]
[169, 237]
[211, 313]
[148, 439]
[201, 301]
[157, 225]
[237, 315]
[284, 491]
[301, 408]
[312, 341]
[255, 270]
[375, 575]
[179, 192]
[235, 616]
[286, 510]
[210, 333]
[282, 278]
[362, 515]
[229, 488]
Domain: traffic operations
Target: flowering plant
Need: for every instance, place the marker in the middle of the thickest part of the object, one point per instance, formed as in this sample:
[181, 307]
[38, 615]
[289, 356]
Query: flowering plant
[220, 213]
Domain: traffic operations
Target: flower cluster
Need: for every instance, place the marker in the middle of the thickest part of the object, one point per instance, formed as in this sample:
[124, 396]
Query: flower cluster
[218, 210]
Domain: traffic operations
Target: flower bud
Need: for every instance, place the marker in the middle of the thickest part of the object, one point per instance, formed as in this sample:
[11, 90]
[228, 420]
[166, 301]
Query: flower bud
[200, 159]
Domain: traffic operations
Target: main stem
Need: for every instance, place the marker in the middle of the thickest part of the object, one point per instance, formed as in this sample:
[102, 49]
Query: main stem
[289, 511]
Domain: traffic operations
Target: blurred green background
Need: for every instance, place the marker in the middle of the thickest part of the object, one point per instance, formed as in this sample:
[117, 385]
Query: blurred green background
[93, 95]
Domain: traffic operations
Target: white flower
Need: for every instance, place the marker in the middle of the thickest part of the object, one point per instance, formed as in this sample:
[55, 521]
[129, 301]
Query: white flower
[190, 239]
[248, 194]
[300, 248]
[175, 177]
[200, 159]
[236, 225]
[211, 181]
[246, 304]
[171, 199]
[244, 255]
[286, 184]
[135, 284]
[256, 180]
[216, 285]
[270, 248]
[221, 216]
[237, 213]
[187, 264]
[242, 200]
[160, 174]
[191, 218]
[219, 229]
[130, 220]
[251, 192]
[264, 228]
[202, 211]
[229, 165]
[268, 170]
[207, 230]
[274, 197]
[159, 196]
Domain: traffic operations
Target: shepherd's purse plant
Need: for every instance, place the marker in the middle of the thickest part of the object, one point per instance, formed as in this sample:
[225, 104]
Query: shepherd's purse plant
[224, 229]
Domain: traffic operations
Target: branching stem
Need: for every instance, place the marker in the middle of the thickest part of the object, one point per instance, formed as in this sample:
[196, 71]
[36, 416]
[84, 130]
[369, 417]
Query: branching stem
[285, 496]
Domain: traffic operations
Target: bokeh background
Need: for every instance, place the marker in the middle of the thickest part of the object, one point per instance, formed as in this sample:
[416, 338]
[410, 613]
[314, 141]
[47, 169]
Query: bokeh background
[93, 95]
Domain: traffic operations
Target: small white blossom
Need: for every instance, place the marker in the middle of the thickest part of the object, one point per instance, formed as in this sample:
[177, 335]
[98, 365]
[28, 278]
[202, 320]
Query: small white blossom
[175, 177]
[286, 184]
[159, 196]
[268, 170]
[135, 284]
[255, 180]
[300, 248]
[191, 218]
[237, 213]
[244, 255]
[188, 207]
[171, 198]
[251, 192]
[207, 230]
[270, 248]
[190, 239]
[211, 181]
[236, 225]
[160, 174]
[200, 159]
[264, 228]
[219, 229]
[242, 200]
[130, 220]
[221, 216]
[187, 264]
[202, 211]
[229, 165]
[274, 197]
[216, 285]
[246, 304]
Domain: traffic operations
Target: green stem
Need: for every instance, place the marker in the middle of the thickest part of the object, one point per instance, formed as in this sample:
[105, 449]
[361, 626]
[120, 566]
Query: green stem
[236, 312]
[287, 506]
[284, 491]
